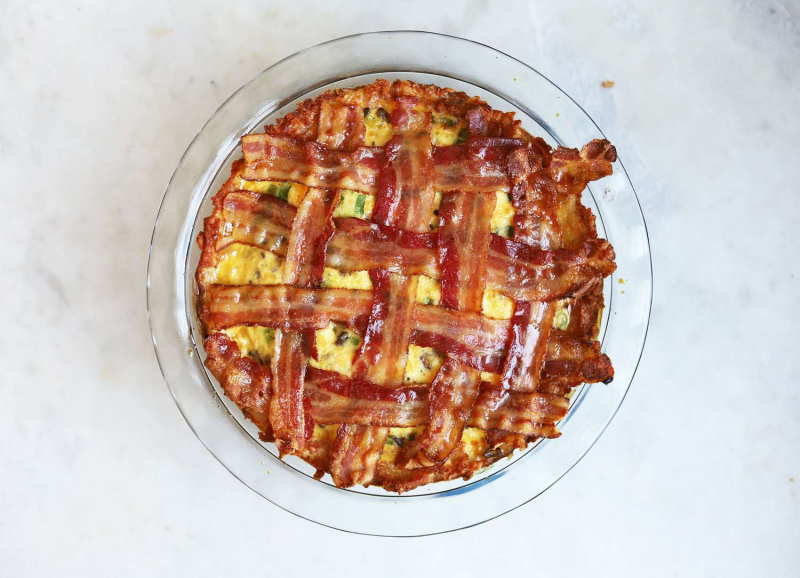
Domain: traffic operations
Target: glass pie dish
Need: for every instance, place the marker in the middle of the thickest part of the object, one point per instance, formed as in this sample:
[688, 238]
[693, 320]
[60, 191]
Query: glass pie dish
[505, 84]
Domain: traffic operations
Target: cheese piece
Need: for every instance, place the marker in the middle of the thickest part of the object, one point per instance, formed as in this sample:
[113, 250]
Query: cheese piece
[245, 265]
[292, 193]
[336, 347]
[255, 342]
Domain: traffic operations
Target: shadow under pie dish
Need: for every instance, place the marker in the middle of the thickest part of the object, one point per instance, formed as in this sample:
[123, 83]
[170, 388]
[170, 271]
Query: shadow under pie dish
[401, 286]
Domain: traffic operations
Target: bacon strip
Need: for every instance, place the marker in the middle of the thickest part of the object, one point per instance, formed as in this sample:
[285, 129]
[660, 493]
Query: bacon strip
[464, 234]
[571, 170]
[260, 220]
[305, 258]
[478, 166]
[336, 399]
[244, 380]
[452, 394]
[358, 245]
[287, 410]
[530, 330]
[355, 454]
[534, 198]
[463, 250]
[380, 359]
[281, 158]
[341, 126]
[571, 361]
[523, 413]
[284, 307]
[469, 338]
[406, 192]
[526, 273]
[382, 355]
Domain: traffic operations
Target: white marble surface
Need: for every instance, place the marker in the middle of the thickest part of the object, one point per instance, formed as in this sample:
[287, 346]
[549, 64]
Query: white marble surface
[699, 474]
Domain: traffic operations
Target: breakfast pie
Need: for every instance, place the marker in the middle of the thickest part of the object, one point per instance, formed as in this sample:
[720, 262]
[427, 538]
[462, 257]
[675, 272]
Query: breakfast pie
[400, 285]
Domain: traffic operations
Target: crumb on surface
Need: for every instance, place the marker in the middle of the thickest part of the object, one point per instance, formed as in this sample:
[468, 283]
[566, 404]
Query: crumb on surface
[607, 84]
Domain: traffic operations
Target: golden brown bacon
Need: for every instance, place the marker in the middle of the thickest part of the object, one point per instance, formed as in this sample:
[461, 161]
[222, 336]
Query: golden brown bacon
[358, 245]
[529, 332]
[341, 127]
[382, 355]
[260, 220]
[244, 380]
[571, 170]
[305, 258]
[269, 157]
[355, 454]
[523, 413]
[571, 361]
[534, 198]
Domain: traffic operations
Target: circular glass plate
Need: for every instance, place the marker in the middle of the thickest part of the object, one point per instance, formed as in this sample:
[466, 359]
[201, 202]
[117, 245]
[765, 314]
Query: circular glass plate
[506, 84]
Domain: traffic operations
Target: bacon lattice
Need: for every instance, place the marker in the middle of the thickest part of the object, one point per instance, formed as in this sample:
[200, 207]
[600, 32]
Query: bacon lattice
[553, 254]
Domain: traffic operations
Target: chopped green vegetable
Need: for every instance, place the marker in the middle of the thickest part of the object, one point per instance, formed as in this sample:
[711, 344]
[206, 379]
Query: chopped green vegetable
[360, 200]
[272, 190]
[561, 320]
[463, 135]
[283, 192]
[510, 231]
[354, 340]
[269, 334]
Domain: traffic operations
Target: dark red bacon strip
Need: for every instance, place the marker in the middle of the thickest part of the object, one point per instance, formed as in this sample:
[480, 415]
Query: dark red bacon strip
[358, 245]
[305, 257]
[284, 307]
[464, 234]
[382, 355]
[571, 361]
[337, 399]
[291, 425]
[260, 220]
[355, 453]
[452, 394]
[523, 413]
[341, 127]
[523, 272]
[406, 188]
[479, 165]
[269, 157]
[527, 344]
[469, 338]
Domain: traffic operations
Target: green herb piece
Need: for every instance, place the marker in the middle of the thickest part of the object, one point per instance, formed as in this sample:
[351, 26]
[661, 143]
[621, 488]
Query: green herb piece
[354, 340]
[272, 190]
[510, 231]
[360, 200]
[283, 192]
[269, 334]
[463, 135]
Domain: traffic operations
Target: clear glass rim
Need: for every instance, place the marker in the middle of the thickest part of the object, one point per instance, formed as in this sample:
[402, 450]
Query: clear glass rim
[408, 34]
